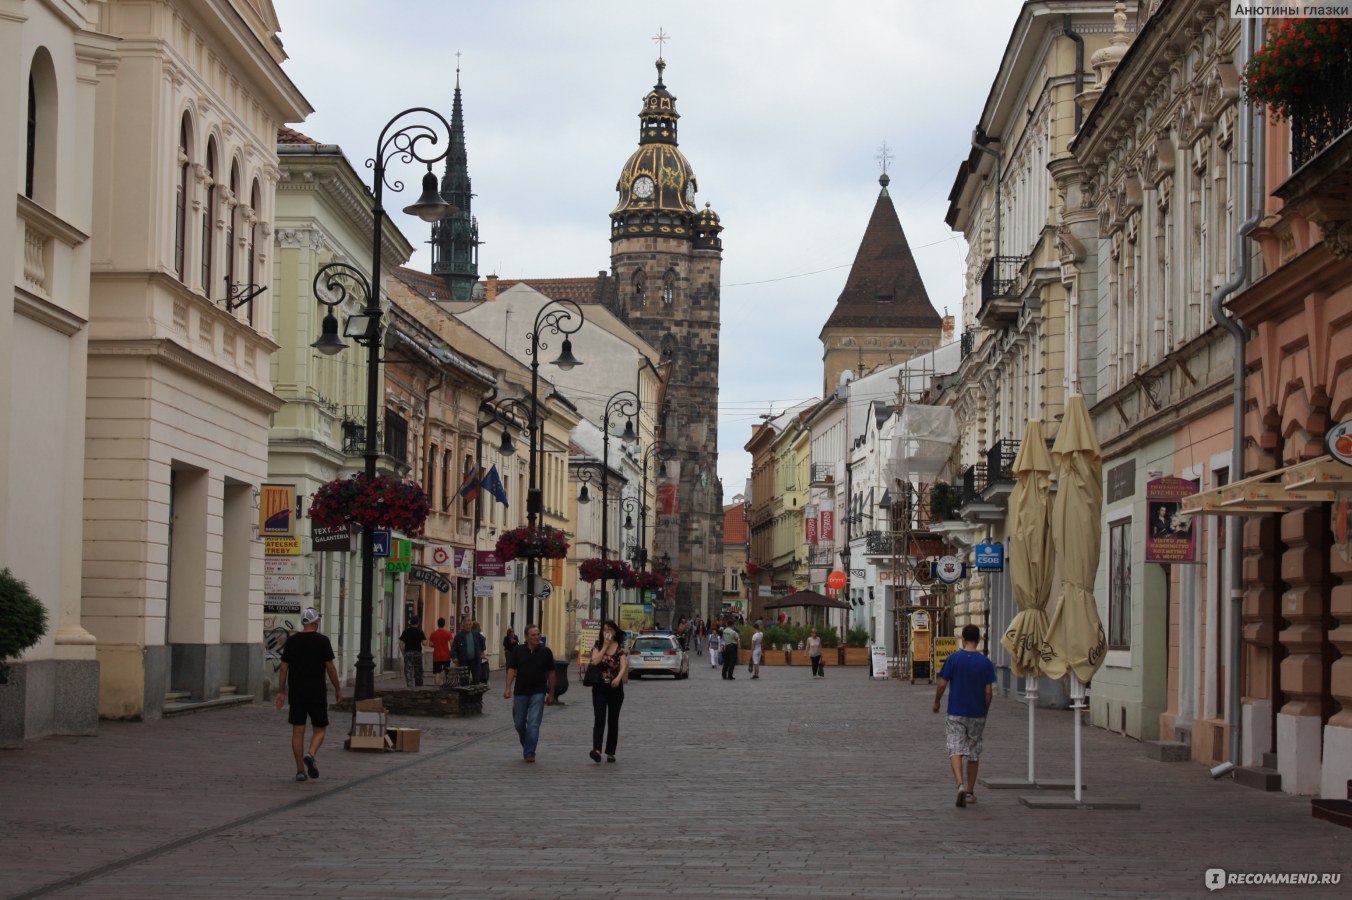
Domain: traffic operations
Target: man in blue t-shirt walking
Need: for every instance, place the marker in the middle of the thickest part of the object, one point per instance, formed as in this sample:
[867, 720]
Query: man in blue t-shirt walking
[973, 679]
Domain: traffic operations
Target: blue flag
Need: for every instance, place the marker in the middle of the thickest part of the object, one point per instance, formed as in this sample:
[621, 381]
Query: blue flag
[492, 483]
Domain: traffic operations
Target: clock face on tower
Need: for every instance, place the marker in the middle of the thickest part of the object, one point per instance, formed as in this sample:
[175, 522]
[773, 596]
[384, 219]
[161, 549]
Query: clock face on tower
[643, 187]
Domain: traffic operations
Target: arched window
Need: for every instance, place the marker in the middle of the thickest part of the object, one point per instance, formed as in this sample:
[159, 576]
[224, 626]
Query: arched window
[252, 275]
[446, 481]
[208, 212]
[669, 287]
[231, 221]
[39, 184]
[181, 200]
[640, 288]
[431, 486]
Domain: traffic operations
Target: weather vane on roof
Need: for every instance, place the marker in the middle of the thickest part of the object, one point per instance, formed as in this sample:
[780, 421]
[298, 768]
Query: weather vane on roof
[884, 157]
[660, 39]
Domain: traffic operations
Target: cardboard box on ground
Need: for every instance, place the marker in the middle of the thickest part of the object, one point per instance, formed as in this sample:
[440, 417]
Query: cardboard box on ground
[371, 730]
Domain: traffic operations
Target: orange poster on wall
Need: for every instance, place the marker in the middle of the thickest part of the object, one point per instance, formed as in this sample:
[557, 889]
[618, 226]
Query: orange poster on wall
[277, 510]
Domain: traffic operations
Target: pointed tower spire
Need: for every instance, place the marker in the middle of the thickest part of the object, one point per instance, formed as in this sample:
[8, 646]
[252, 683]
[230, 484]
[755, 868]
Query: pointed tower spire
[455, 239]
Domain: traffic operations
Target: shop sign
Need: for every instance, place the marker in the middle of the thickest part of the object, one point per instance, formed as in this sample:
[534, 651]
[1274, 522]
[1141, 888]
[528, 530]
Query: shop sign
[1170, 536]
[429, 577]
[990, 557]
[282, 584]
[280, 604]
[944, 647]
[380, 542]
[483, 588]
[277, 510]
[281, 546]
[948, 569]
[440, 556]
[1339, 441]
[336, 537]
[764, 590]
[281, 565]
[491, 565]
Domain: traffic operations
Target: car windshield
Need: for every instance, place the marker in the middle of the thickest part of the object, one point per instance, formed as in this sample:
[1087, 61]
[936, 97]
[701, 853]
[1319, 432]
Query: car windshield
[652, 644]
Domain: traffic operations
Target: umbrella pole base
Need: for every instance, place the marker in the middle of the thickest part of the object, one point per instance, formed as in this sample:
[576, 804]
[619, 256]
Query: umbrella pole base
[1006, 784]
[1060, 801]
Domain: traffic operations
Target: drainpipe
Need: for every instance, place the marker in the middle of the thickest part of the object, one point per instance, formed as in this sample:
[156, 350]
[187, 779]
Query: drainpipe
[1251, 147]
[979, 141]
[1079, 66]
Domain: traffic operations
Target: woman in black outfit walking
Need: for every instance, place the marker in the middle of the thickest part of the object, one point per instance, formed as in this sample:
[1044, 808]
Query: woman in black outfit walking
[608, 694]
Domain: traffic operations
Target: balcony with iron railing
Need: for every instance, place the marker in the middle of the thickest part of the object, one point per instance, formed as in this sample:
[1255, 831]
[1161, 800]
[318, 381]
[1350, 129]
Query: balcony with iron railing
[1321, 163]
[822, 556]
[999, 291]
[823, 474]
[1000, 470]
[967, 343]
[971, 484]
[1317, 123]
[393, 442]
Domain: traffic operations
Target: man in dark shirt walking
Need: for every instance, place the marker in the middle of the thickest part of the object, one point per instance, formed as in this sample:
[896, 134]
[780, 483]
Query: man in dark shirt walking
[413, 639]
[973, 680]
[307, 656]
[530, 671]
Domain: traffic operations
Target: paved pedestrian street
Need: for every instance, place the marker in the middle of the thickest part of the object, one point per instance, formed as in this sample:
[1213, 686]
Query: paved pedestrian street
[779, 787]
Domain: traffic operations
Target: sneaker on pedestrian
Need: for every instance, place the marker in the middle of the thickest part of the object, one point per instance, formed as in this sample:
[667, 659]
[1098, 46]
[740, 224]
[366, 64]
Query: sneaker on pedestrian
[971, 798]
[530, 757]
[310, 766]
[962, 797]
[300, 776]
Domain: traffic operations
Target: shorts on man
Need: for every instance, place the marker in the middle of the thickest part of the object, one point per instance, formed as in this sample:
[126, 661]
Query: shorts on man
[963, 735]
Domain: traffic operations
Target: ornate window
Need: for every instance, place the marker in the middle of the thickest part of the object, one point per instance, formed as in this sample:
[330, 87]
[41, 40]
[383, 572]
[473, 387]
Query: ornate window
[446, 481]
[1119, 585]
[640, 288]
[181, 200]
[208, 212]
[430, 485]
[669, 287]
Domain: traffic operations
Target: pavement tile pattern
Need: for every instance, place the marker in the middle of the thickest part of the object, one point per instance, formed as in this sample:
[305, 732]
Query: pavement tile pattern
[786, 786]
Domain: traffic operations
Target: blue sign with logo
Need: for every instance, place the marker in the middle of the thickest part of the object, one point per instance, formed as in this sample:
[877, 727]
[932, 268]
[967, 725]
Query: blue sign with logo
[380, 542]
[990, 557]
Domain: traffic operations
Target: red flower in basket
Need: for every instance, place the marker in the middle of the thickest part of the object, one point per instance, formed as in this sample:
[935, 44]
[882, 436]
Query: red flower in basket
[597, 568]
[378, 502]
[644, 581]
[532, 543]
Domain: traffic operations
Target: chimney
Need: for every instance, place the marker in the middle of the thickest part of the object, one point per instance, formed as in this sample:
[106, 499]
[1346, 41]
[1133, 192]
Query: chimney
[491, 288]
[949, 326]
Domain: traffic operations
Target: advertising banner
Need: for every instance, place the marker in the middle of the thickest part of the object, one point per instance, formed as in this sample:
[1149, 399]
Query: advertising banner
[944, 647]
[878, 662]
[810, 523]
[591, 630]
[464, 562]
[1170, 537]
[826, 528]
[668, 499]
[635, 617]
[282, 546]
[277, 510]
[491, 565]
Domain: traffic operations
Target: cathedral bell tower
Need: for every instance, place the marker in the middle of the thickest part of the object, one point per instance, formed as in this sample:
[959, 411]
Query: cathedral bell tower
[666, 260]
[455, 239]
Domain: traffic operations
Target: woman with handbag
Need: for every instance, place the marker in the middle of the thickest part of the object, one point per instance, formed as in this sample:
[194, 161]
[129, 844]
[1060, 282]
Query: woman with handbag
[606, 674]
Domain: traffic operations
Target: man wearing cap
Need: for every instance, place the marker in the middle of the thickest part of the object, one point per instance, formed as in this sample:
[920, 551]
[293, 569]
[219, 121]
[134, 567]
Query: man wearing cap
[306, 657]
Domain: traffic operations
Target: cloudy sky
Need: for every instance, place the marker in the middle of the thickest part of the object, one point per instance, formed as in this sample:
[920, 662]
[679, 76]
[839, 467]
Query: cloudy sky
[783, 107]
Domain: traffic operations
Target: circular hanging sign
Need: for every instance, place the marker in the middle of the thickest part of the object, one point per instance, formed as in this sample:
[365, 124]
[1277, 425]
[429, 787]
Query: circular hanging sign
[948, 569]
[836, 580]
[440, 556]
[1339, 441]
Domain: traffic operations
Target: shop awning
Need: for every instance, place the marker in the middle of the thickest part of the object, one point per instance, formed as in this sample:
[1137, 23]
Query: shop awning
[1279, 491]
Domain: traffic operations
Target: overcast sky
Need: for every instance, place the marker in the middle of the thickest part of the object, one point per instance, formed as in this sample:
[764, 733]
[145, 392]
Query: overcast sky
[783, 107]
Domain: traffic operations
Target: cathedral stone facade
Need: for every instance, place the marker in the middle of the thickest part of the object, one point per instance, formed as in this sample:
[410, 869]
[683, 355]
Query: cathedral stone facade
[666, 260]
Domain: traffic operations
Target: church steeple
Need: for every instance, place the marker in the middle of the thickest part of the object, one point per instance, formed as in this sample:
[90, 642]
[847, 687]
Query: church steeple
[455, 239]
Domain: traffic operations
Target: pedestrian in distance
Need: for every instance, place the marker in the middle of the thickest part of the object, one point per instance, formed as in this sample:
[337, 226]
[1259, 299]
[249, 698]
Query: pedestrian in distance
[307, 657]
[608, 694]
[441, 652]
[973, 680]
[530, 687]
[683, 633]
[814, 653]
[413, 639]
[464, 651]
[757, 650]
[509, 643]
[715, 642]
[730, 648]
[480, 667]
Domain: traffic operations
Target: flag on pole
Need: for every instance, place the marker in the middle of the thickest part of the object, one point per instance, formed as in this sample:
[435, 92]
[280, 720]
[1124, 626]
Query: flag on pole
[469, 488]
[492, 483]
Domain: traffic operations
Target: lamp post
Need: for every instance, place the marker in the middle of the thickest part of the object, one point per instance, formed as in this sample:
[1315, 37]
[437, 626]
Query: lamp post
[621, 403]
[507, 411]
[557, 317]
[663, 453]
[336, 282]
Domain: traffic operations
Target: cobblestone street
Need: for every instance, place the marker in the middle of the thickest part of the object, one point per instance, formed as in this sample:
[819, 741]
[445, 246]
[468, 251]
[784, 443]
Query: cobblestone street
[783, 787]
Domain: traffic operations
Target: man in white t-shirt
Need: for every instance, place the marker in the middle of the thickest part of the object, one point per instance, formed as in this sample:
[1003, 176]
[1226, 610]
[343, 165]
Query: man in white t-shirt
[757, 648]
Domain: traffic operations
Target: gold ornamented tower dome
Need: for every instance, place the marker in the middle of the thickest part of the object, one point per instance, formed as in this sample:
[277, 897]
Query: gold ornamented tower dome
[657, 187]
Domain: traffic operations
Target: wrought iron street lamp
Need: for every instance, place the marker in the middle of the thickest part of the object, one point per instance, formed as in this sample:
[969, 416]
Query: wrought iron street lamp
[337, 282]
[555, 317]
[621, 403]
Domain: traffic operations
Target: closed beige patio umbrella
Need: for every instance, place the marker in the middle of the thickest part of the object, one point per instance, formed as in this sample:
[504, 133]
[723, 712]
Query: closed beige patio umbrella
[1076, 633]
[1031, 558]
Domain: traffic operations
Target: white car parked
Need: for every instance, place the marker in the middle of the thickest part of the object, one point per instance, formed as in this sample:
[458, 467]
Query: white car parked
[657, 654]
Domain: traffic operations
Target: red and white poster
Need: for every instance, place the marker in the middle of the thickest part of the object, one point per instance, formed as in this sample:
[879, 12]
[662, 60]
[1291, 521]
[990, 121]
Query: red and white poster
[810, 522]
[826, 530]
[668, 500]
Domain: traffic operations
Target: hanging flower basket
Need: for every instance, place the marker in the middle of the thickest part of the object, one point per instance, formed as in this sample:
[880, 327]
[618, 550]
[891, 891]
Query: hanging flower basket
[644, 581]
[596, 568]
[526, 542]
[378, 502]
[1298, 65]
[943, 501]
